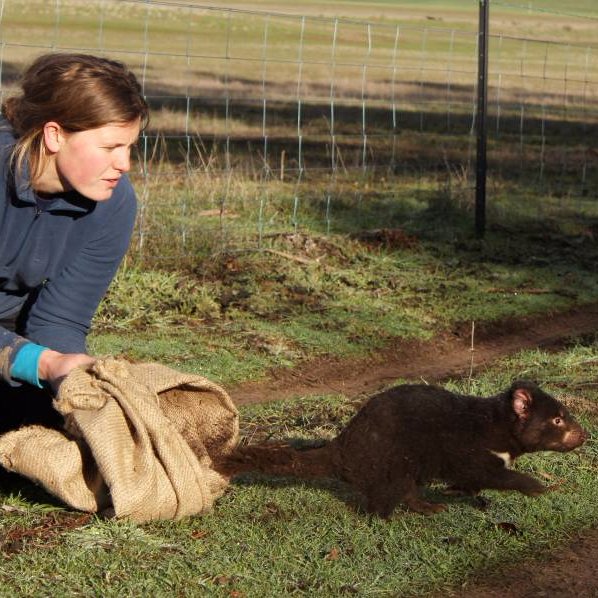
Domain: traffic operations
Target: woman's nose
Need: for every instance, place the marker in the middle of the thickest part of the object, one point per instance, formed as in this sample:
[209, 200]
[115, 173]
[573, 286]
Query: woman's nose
[122, 161]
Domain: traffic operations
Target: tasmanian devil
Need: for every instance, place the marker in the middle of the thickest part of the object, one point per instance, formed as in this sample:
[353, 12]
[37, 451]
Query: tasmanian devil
[413, 434]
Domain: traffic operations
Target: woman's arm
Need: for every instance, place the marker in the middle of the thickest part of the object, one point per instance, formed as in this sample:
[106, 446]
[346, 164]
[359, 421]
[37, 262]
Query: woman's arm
[61, 315]
[54, 339]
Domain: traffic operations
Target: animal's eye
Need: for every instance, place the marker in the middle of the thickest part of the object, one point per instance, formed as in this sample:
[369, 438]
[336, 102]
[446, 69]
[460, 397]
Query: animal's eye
[557, 421]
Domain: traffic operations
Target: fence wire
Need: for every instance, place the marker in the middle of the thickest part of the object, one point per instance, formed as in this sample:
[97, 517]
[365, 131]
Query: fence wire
[264, 122]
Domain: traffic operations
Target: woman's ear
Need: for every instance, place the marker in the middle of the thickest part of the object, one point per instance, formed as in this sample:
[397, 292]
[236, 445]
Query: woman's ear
[53, 136]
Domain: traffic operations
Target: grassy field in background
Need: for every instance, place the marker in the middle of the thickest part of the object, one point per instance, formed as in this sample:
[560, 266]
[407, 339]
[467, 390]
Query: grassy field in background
[257, 97]
[193, 46]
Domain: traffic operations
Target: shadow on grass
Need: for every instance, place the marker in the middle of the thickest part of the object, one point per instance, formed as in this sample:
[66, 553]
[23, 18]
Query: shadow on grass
[346, 495]
[12, 484]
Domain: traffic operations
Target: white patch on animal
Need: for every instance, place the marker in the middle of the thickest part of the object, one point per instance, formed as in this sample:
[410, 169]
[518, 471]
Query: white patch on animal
[506, 457]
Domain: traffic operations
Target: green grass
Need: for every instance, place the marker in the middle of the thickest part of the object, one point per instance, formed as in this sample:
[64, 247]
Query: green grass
[273, 537]
[234, 315]
[231, 64]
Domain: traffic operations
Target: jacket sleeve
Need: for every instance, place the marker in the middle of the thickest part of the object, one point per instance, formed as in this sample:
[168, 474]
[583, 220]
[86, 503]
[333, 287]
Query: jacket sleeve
[61, 315]
[10, 343]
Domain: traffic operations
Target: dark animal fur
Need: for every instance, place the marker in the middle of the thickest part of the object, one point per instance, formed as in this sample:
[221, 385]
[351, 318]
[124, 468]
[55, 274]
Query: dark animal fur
[413, 434]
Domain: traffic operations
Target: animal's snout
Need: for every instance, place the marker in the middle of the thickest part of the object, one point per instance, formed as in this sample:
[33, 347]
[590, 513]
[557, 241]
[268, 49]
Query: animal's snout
[574, 437]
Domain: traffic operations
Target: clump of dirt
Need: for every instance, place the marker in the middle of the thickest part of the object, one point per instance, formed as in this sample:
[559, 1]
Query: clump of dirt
[388, 238]
[307, 246]
[45, 534]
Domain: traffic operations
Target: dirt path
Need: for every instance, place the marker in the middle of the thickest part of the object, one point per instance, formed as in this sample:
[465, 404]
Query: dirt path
[571, 571]
[448, 354]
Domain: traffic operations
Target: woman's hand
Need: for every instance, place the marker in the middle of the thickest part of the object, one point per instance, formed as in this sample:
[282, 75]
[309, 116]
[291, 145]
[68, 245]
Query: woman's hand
[53, 366]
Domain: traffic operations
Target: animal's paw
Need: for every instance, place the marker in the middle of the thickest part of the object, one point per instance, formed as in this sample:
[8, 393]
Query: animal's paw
[427, 508]
[481, 502]
[456, 491]
[536, 491]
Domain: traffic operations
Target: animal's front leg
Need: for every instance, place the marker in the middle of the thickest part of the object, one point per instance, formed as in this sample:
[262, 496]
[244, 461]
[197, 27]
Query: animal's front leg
[508, 479]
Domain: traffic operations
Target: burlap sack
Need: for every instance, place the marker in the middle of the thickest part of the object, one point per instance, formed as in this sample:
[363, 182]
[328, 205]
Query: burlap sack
[138, 437]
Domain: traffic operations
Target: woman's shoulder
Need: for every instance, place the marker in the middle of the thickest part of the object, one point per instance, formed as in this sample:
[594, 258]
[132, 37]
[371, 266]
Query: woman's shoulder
[7, 143]
[7, 134]
[124, 193]
[112, 218]
[123, 201]
[7, 137]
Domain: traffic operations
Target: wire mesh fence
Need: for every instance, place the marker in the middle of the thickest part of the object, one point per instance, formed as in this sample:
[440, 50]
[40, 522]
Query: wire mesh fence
[265, 122]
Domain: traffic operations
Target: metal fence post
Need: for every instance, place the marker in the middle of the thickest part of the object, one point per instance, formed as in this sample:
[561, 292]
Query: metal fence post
[482, 92]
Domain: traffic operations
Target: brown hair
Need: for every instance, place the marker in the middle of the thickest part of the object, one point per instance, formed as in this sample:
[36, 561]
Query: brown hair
[79, 92]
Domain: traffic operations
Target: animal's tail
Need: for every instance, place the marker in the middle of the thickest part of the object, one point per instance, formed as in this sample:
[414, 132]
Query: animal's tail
[278, 459]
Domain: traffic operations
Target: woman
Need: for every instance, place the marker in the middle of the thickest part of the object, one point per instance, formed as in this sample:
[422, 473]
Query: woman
[66, 215]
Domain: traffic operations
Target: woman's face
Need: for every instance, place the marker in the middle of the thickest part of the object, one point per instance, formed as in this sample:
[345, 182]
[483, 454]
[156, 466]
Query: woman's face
[92, 162]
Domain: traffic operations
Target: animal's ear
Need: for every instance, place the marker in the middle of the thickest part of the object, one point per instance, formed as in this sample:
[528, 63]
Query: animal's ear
[522, 402]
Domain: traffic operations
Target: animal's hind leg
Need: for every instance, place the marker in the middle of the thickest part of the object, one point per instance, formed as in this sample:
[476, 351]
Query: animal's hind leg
[380, 499]
[412, 499]
[383, 496]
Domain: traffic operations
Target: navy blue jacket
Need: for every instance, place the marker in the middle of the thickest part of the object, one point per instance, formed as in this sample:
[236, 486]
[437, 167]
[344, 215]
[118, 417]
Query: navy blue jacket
[57, 257]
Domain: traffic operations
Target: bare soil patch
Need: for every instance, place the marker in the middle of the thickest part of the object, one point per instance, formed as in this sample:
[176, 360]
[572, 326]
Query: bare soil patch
[570, 571]
[449, 354]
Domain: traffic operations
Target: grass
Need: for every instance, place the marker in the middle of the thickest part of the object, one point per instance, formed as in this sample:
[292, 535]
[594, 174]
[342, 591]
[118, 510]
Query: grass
[235, 314]
[191, 49]
[273, 537]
